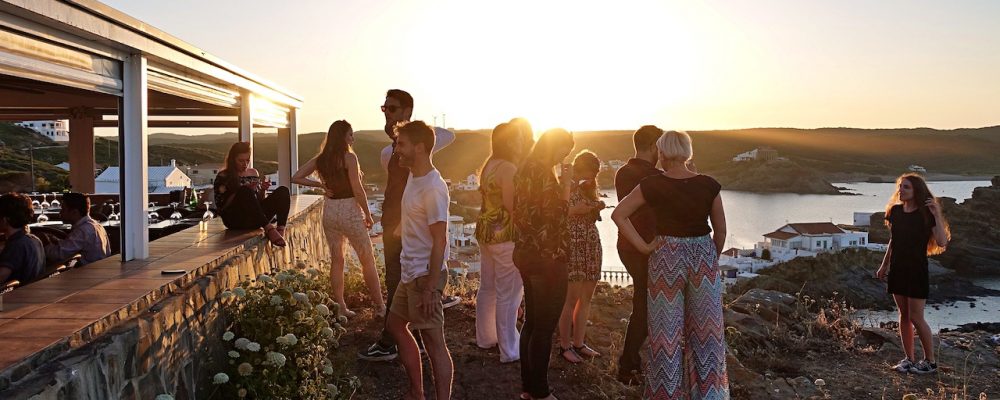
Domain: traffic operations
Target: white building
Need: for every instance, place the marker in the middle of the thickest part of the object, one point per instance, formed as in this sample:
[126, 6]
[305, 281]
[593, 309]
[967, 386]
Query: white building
[57, 131]
[917, 168]
[615, 164]
[862, 218]
[203, 174]
[471, 183]
[808, 239]
[162, 179]
[760, 153]
[457, 234]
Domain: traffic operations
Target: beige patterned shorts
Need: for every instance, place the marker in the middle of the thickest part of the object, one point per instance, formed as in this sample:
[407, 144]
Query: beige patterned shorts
[343, 218]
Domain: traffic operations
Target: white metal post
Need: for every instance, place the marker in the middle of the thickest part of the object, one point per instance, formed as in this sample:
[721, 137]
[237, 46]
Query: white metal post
[133, 172]
[246, 119]
[288, 153]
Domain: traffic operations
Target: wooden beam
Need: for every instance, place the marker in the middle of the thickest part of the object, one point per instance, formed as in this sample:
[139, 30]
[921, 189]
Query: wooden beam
[81, 153]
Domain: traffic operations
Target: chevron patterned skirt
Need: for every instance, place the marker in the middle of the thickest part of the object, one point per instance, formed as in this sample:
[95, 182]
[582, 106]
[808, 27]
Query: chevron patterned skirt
[686, 356]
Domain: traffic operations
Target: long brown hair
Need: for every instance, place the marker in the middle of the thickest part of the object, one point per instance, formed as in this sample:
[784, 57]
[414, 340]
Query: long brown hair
[330, 160]
[233, 178]
[543, 150]
[921, 193]
[587, 159]
[501, 147]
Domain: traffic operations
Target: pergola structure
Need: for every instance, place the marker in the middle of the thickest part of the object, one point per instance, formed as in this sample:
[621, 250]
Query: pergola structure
[98, 67]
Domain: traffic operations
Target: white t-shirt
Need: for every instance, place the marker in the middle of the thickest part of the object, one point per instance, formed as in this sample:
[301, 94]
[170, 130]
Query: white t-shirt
[425, 202]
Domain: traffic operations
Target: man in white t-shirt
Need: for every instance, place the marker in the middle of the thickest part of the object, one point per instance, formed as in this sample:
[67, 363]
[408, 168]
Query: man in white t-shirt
[424, 232]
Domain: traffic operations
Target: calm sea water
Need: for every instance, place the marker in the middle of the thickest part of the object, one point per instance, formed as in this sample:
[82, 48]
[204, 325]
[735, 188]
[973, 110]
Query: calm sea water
[751, 215]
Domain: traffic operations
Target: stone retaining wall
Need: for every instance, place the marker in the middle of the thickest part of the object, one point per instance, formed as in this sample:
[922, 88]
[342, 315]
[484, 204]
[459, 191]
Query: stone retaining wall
[170, 347]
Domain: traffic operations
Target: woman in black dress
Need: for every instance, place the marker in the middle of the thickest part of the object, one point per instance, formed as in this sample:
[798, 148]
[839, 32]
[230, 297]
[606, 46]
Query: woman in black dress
[242, 200]
[917, 230]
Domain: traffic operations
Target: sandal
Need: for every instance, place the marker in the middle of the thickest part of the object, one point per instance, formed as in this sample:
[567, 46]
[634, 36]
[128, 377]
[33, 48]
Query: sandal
[281, 230]
[572, 357]
[274, 236]
[586, 351]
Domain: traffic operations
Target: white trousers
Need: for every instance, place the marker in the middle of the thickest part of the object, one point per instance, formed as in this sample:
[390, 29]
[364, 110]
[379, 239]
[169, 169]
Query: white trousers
[499, 296]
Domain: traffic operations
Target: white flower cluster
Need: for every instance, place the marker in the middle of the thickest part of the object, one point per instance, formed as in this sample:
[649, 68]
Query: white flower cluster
[241, 343]
[164, 397]
[265, 278]
[220, 378]
[234, 354]
[276, 300]
[323, 310]
[287, 340]
[228, 336]
[275, 359]
[301, 297]
[245, 369]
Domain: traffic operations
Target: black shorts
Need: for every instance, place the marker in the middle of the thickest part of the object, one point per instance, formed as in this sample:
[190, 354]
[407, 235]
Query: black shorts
[909, 280]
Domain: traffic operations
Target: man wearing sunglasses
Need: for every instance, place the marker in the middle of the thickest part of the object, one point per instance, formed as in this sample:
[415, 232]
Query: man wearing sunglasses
[398, 107]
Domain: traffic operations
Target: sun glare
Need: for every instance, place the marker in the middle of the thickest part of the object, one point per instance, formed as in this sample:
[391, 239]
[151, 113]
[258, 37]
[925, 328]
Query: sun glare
[576, 65]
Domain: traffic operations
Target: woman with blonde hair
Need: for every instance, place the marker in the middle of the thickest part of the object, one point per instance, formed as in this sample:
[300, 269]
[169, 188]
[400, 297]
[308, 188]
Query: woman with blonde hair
[585, 257]
[917, 229]
[687, 347]
[345, 210]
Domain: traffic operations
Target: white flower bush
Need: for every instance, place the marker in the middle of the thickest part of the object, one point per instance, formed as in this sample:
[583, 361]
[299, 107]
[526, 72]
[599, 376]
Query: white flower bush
[283, 332]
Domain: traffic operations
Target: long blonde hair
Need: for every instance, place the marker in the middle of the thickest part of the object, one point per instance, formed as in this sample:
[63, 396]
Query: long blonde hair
[921, 193]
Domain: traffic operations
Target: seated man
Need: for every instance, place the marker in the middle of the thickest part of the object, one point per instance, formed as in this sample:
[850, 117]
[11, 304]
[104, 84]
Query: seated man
[22, 258]
[87, 238]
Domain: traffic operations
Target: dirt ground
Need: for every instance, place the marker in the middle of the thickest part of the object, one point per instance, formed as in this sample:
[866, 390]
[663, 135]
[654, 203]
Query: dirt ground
[968, 362]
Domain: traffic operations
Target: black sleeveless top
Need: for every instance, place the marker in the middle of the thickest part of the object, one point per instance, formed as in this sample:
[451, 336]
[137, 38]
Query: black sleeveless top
[339, 186]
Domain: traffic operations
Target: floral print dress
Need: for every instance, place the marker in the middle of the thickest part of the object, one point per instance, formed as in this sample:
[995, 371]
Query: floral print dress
[585, 252]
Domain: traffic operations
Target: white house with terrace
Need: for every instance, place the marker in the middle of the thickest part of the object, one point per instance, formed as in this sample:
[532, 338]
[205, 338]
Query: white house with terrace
[808, 239]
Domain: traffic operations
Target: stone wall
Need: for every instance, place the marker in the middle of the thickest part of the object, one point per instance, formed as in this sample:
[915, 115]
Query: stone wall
[172, 346]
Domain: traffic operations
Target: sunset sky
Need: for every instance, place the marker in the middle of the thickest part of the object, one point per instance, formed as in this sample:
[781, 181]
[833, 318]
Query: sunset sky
[588, 65]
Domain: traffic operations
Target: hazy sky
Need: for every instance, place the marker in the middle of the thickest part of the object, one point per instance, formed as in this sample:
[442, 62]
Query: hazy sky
[604, 65]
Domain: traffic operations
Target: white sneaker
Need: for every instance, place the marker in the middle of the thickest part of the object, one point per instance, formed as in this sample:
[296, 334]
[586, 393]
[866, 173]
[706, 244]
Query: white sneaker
[903, 366]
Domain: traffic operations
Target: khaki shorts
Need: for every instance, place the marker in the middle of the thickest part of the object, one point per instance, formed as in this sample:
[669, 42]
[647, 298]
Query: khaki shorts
[406, 303]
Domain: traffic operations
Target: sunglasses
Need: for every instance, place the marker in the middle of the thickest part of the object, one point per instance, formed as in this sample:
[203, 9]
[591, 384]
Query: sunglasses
[391, 109]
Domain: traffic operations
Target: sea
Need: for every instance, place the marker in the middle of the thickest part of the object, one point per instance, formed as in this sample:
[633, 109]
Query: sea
[750, 215]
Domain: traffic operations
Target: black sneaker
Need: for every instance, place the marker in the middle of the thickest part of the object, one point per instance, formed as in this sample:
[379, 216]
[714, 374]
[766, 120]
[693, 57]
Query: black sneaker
[450, 301]
[377, 352]
[924, 367]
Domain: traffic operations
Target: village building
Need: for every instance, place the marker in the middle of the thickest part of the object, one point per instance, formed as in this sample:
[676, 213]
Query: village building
[808, 239]
[162, 179]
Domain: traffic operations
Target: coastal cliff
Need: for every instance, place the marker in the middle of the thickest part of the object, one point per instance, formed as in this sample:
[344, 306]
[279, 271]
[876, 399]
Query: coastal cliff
[775, 176]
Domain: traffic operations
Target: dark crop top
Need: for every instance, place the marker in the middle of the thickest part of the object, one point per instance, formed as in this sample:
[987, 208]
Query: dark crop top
[682, 206]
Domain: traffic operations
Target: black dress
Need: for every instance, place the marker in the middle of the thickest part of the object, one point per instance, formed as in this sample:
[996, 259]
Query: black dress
[910, 233]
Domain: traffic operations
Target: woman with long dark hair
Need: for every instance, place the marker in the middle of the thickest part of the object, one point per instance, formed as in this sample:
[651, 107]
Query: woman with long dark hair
[917, 229]
[242, 200]
[345, 211]
[500, 286]
[541, 251]
[687, 346]
[585, 257]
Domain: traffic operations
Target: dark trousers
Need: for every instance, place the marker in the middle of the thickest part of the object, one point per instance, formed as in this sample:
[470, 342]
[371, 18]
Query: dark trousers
[637, 265]
[247, 211]
[544, 296]
[392, 249]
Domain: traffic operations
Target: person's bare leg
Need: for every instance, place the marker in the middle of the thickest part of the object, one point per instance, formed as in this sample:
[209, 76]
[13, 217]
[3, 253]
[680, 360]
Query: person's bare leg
[566, 327]
[367, 257]
[337, 273]
[923, 330]
[582, 312]
[905, 325]
[441, 363]
[409, 355]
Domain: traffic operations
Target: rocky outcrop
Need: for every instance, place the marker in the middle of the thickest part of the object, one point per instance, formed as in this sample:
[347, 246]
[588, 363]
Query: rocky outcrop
[849, 275]
[975, 232]
[777, 176]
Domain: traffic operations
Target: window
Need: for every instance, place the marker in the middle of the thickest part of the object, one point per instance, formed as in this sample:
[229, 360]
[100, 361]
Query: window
[862, 241]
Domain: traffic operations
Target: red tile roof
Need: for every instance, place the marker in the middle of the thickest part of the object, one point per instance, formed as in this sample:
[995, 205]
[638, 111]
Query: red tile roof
[780, 235]
[816, 228]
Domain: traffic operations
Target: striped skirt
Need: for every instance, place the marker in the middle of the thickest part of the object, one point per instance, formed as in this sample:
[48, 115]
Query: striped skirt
[686, 356]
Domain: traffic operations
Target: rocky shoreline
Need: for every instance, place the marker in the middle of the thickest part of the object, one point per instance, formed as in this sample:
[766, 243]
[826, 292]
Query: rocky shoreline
[849, 275]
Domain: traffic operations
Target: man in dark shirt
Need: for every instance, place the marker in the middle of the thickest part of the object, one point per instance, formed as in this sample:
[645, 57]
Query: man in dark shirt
[23, 257]
[626, 179]
[398, 107]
